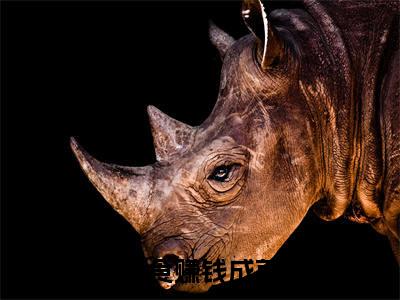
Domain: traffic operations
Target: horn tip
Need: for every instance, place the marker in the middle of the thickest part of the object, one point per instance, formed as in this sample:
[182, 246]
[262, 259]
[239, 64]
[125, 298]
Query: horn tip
[76, 148]
[152, 110]
[73, 143]
[80, 152]
[212, 28]
[155, 116]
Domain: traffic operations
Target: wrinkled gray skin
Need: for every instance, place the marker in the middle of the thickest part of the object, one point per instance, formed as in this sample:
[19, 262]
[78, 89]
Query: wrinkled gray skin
[307, 114]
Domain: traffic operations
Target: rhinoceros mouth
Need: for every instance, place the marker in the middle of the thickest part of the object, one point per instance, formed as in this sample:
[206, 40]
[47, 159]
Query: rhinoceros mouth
[171, 261]
[171, 280]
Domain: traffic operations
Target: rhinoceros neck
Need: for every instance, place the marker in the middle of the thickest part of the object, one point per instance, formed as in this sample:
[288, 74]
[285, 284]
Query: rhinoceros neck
[328, 86]
[371, 53]
[345, 95]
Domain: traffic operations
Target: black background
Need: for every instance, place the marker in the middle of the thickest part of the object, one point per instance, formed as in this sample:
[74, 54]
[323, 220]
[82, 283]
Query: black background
[89, 69]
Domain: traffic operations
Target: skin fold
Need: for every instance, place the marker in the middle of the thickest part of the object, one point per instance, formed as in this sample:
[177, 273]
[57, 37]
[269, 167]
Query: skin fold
[307, 116]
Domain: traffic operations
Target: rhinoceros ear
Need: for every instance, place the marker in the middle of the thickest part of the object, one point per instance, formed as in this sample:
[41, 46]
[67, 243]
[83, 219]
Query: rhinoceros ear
[220, 39]
[169, 135]
[270, 48]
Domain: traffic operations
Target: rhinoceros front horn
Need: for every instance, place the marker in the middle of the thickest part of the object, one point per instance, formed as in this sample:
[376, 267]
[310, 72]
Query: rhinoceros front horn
[127, 189]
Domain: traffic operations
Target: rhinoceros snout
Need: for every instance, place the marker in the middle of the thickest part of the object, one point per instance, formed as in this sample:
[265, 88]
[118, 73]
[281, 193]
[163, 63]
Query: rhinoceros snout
[167, 256]
[169, 263]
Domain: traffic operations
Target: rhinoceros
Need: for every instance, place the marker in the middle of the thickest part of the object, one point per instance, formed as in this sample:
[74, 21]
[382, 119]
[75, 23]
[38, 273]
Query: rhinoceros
[307, 116]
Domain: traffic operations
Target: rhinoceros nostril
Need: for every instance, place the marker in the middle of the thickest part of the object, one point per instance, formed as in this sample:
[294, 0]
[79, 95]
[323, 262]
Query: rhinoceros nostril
[171, 260]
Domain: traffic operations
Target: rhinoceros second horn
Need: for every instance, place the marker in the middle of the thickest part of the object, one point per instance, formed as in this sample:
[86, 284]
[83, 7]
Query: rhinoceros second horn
[169, 135]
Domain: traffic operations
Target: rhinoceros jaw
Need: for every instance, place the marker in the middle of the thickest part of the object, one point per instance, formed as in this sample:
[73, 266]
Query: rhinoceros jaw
[173, 277]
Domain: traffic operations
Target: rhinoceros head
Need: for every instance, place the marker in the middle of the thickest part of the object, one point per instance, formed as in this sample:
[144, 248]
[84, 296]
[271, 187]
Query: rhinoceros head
[236, 186]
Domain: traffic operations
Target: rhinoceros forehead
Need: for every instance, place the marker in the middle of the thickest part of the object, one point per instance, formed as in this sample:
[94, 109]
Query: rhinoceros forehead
[208, 148]
[187, 167]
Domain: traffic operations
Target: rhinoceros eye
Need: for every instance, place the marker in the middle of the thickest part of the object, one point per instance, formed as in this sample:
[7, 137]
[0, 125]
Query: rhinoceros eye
[223, 176]
[222, 173]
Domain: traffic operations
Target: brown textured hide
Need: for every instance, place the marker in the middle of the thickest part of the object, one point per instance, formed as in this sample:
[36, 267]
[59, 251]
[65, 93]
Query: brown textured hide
[307, 116]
